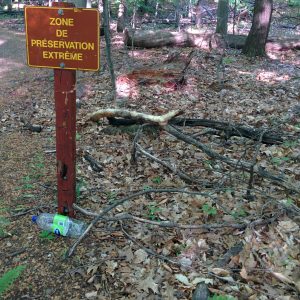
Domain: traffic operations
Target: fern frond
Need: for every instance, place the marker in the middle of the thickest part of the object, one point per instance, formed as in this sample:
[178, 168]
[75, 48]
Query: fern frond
[9, 277]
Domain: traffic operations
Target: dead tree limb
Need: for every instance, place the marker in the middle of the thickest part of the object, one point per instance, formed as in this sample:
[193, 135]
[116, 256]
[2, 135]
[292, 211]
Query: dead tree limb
[164, 224]
[238, 164]
[228, 129]
[185, 177]
[160, 120]
[163, 120]
[105, 211]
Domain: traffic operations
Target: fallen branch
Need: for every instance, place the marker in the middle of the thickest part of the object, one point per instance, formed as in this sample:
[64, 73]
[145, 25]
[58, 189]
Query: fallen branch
[228, 129]
[164, 224]
[95, 165]
[182, 175]
[239, 164]
[104, 212]
[160, 120]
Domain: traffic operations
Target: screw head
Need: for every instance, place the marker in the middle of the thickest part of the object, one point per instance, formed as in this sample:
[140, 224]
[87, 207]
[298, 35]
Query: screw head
[62, 65]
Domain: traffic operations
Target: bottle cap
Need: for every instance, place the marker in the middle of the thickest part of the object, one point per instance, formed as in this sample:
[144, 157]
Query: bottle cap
[34, 218]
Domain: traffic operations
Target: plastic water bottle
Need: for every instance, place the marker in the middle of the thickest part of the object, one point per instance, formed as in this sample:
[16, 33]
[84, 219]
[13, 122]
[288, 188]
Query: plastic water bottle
[59, 224]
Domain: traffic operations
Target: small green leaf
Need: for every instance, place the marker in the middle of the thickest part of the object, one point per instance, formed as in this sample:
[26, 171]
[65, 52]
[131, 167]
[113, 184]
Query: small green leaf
[209, 210]
[47, 235]
[9, 277]
[157, 180]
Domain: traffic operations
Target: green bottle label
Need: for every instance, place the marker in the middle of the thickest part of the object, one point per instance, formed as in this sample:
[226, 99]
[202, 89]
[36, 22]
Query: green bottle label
[60, 225]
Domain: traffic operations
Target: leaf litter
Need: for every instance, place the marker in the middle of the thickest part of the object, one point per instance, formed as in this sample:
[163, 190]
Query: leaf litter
[109, 265]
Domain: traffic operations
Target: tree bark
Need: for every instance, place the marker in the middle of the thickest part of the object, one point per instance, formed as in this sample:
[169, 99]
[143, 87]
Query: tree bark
[161, 38]
[121, 16]
[226, 128]
[257, 37]
[222, 16]
[198, 19]
[108, 48]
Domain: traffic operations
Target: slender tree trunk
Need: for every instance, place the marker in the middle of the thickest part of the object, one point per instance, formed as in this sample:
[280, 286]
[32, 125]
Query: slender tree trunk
[257, 37]
[198, 14]
[156, 11]
[88, 3]
[222, 16]
[177, 14]
[108, 49]
[133, 20]
[100, 6]
[234, 17]
[121, 16]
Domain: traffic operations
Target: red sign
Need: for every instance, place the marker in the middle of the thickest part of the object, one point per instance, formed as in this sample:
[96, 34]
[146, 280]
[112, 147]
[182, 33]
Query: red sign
[62, 38]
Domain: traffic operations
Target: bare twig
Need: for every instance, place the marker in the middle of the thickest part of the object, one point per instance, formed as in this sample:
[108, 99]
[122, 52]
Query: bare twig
[135, 140]
[172, 168]
[254, 162]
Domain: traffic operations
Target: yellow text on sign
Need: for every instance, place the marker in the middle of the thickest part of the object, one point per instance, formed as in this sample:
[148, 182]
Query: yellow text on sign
[61, 22]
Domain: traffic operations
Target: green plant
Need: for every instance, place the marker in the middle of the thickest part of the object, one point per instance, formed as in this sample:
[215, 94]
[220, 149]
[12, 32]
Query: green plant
[228, 60]
[47, 235]
[80, 185]
[157, 180]
[111, 196]
[290, 144]
[178, 249]
[153, 210]
[279, 160]
[209, 210]
[9, 277]
[295, 3]
[3, 223]
[239, 213]
[147, 187]
[78, 136]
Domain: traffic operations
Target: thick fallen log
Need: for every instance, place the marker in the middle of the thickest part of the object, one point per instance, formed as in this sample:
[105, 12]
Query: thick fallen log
[228, 129]
[161, 38]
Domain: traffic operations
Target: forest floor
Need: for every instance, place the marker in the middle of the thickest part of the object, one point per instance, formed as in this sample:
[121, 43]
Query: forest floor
[258, 261]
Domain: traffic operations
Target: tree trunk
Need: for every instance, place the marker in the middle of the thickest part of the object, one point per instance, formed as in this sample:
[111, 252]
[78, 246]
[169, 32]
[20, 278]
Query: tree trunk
[222, 16]
[121, 16]
[100, 6]
[257, 37]
[89, 4]
[108, 48]
[198, 19]
[161, 38]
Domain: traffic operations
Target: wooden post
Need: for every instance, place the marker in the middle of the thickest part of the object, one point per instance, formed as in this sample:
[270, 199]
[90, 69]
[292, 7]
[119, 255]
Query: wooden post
[66, 39]
[65, 107]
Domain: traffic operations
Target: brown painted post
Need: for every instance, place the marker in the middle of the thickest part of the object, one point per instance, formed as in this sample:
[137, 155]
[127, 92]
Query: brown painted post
[65, 107]
[47, 44]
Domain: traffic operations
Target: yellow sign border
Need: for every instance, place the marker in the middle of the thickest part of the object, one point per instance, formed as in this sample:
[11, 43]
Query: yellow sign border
[63, 8]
